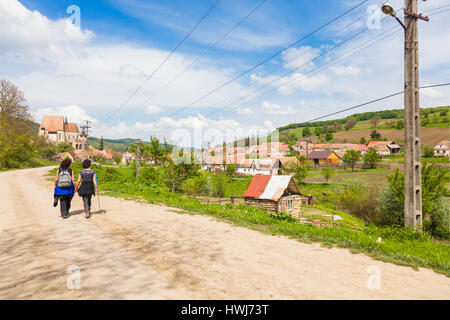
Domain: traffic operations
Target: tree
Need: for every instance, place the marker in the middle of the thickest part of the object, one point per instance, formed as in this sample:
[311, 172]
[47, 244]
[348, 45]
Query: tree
[374, 121]
[306, 132]
[433, 192]
[220, 183]
[400, 125]
[231, 170]
[175, 173]
[298, 169]
[427, 152]
[349, 124]
[374, 135]
[156, 152]
[102, 147]
[362, 141]
[64, 147]
[337, 126]
[327, 172]
[328, 136]
[351, 157]
[371, 158]
[317, 131]
[15, 138]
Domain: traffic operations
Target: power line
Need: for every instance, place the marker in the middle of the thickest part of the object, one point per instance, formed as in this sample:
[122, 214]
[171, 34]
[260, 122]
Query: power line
[321, 68]
[279, 67]
[164, 61]
[213, 45]
[265, 60]
[373, 101]
[296, 69]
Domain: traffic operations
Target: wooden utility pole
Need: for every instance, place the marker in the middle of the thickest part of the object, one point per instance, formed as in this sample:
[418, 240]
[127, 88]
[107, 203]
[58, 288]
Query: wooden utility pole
[413, 181]
[138, 158]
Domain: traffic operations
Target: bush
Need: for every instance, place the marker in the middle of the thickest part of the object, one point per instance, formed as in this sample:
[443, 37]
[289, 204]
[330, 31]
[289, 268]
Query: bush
[440, 220]
[64, 147]
[149, 175]
[109, 175]
[433, 192]
[220, 184]
[361, 202]
[396, 233]
[196, 185]
[282, 216]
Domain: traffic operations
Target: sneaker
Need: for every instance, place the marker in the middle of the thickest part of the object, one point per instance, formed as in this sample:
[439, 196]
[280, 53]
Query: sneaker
[55, 201]
[88, 214]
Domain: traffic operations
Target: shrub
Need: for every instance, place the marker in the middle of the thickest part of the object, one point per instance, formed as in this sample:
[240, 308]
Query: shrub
[220, 184]
[282, 216]
[64, 147]
[361, 202]
[196, 185]
[396, 233]
[433, 191]
[109, 175]
[149, 175]
[327, 172]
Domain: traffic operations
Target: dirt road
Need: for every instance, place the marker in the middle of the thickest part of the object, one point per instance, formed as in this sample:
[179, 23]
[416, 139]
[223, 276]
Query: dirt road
[142, 251]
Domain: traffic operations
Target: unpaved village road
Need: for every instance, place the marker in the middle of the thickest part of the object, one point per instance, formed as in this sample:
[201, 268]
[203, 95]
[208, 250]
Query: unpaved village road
[142, 251]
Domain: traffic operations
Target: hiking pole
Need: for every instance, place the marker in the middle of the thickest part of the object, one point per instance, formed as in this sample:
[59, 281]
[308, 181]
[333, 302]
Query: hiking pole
[98, 192]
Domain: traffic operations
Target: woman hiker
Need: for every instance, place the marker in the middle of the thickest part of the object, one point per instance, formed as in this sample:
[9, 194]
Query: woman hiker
[64, 187]
[88, 181]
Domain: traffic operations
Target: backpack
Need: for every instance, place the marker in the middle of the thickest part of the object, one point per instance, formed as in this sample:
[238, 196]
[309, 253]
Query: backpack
[64, 179]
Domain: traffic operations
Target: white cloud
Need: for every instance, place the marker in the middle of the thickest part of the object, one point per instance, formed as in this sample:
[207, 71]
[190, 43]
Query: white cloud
[194, 130]
[288, 84]
[245, 111]
[152, 109]
[300, 57]
[72, 69]
[72, 113]
[271, 108]
[352, 70]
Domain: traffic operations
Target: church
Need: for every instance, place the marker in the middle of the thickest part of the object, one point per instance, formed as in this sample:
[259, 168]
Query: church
[56, 129]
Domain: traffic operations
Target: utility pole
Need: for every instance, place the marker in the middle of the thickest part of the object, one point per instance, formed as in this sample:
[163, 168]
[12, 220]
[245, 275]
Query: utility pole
[413, 180]
[138, 158]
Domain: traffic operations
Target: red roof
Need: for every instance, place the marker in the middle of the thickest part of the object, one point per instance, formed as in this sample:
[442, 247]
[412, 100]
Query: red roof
[257, 186]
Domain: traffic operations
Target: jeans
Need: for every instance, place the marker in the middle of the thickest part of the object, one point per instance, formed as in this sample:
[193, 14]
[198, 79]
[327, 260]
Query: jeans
[87, 203]
[64, 202]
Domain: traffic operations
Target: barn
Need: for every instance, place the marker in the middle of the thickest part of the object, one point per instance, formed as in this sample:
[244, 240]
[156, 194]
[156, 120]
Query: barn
[275, 193]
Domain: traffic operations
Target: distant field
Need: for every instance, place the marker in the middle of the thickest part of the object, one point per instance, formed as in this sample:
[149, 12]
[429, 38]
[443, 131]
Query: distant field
[429, 136]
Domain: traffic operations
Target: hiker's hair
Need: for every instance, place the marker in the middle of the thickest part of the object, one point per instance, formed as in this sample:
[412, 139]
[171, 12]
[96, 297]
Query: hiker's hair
[65, 164]
[86, 163]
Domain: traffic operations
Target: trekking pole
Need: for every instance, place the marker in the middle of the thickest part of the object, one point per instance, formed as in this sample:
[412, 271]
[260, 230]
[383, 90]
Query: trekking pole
[98, 192]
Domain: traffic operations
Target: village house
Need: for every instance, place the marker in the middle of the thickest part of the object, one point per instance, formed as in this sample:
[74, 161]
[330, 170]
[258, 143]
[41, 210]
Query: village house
[275, 193]
[442, 149]
[128, 158]
[56, 129]
[324, 157]
[341, 147]
[384, 148]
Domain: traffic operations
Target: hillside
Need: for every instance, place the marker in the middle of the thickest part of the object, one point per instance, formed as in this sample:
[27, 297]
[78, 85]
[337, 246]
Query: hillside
[435, 124]
[120, 145]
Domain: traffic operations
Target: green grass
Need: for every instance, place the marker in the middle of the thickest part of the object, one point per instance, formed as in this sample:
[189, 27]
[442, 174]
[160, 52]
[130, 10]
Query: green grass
[33, 163]
[415, 253]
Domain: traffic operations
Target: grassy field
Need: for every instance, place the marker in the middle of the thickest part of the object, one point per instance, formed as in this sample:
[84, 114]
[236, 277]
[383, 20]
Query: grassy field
[400, 246]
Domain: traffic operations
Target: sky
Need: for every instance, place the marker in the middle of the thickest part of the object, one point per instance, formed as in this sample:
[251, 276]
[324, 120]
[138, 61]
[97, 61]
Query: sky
[108, 61]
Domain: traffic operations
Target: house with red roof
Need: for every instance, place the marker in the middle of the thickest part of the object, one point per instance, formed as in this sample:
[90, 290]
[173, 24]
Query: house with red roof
[275, 193]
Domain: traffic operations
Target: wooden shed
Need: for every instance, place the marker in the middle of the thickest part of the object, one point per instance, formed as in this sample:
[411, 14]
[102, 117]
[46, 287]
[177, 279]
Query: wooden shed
[275, 193]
